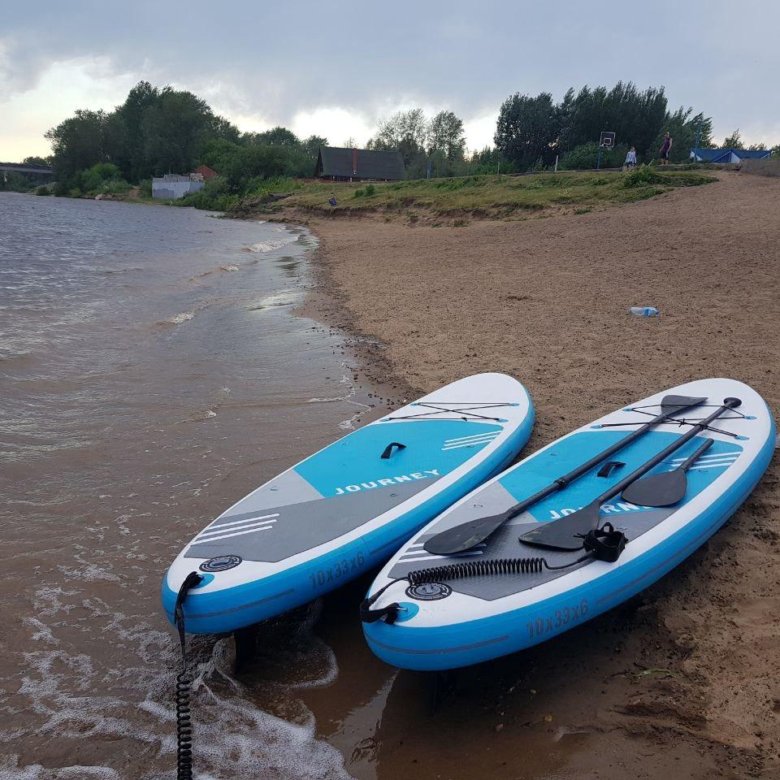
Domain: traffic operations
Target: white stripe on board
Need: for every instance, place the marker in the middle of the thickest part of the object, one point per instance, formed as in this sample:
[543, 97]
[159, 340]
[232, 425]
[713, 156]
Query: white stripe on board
[211, 532]
[473, 436]
[466, 444]
[198, 540]
[246, 520]
[714, 456]
[417, 559]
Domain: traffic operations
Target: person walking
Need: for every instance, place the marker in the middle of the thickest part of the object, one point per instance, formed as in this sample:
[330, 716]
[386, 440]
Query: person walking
[666, 148]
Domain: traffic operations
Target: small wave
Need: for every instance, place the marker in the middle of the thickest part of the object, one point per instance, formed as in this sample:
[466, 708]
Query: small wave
[284, 298]
[263, 247]
[229, 268]
[177, 319]
[203, 414]
[8, 356]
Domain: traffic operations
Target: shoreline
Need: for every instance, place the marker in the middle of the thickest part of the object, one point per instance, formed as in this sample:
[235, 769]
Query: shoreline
[682, 679]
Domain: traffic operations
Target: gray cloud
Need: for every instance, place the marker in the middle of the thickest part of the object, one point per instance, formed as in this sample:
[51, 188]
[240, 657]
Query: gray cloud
[272, 61]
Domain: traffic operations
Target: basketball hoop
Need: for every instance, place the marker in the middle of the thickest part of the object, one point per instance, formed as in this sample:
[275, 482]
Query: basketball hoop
[607, 139]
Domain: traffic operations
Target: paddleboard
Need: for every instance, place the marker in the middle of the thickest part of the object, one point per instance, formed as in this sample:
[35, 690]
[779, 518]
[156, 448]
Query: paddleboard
[477, 606]
[347, 508]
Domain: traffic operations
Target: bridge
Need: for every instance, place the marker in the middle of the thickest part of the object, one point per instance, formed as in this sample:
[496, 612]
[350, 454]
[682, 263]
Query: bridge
[38, 170]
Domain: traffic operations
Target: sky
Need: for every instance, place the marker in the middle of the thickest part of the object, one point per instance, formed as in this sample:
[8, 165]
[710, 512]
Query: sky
[336, 69]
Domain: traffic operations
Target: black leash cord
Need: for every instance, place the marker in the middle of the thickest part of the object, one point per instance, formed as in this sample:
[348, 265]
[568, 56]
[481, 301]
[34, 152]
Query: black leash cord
[456, 571]
[183, 686]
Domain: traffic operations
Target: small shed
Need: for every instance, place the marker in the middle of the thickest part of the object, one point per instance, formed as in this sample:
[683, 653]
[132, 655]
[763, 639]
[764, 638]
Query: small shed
[173, 186]
[339, 164]
[729, 155]
[206, 172]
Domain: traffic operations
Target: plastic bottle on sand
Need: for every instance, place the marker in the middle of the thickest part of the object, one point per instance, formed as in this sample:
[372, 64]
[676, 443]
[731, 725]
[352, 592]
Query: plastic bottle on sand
[644, 311]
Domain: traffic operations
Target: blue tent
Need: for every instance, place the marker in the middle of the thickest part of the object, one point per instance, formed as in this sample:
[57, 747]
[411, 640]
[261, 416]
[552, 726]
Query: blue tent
[729, 155]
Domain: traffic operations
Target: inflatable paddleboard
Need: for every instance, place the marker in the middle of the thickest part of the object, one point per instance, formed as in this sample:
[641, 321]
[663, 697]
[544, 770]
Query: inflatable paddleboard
[446, 611]
[348, 507]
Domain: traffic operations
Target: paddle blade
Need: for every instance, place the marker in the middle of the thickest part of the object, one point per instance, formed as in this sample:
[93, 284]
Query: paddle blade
[670, 403]
[463, 537]
[657, 489]
[565, 533]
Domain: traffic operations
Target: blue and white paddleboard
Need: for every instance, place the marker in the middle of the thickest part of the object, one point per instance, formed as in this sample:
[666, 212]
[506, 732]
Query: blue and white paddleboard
[461, 615]
[348, 507]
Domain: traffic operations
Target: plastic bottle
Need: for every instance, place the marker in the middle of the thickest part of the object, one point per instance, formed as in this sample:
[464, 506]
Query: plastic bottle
[644, 311]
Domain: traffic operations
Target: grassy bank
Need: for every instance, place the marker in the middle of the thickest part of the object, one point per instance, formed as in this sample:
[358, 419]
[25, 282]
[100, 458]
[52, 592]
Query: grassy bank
[474, 197]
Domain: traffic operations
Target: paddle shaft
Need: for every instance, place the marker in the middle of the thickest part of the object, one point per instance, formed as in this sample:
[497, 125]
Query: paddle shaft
[700, 450]
[470, 534]
[728, 403]
[563, 481]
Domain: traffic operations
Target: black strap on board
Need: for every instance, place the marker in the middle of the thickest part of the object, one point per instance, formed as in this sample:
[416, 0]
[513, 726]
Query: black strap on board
[389, 449]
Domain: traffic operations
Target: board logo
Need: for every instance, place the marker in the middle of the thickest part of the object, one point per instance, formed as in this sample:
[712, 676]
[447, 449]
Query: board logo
[429, 591]
[221, 563]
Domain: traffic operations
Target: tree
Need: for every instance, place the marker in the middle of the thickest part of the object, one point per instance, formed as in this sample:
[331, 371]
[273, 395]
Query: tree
[635, 117]
[446, 135]
[311, 145]
[407, 132]
[277, 136]
[175, 130]
[687, 132]
[527, 129]
[733, 141]
[78, 143]
[126, 131]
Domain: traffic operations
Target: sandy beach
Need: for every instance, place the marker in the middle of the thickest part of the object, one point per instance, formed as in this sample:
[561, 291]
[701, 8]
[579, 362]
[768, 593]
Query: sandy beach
[684, 680]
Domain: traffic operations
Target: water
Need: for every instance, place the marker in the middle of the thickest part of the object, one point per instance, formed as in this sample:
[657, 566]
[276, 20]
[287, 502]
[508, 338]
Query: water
[152, 372]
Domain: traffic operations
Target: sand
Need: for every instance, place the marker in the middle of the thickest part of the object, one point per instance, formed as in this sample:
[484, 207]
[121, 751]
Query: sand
[685, 680]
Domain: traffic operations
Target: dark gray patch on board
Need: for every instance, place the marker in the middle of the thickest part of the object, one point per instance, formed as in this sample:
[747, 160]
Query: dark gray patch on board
[302, 526]
[504, 544]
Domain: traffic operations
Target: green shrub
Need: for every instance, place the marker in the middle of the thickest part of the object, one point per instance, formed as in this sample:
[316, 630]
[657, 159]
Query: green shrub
[370, 190]
[642, 176]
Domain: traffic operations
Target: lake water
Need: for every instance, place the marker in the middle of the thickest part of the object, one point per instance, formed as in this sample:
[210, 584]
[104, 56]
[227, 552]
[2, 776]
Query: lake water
[152, 373]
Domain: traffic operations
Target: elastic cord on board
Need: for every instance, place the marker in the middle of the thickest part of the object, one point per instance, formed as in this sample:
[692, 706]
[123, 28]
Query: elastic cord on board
[183, 684]
[454, 571]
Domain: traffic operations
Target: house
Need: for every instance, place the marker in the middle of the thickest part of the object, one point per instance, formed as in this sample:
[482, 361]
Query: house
[206, 172]
[729, 155]
[173, 186]
[358, 165]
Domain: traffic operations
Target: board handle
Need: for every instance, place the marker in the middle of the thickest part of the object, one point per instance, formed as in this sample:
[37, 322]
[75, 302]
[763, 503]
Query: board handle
[389, 449]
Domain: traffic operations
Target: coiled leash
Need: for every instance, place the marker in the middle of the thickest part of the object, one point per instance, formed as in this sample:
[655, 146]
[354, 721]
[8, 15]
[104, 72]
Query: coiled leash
[601, 544]
[183, 686]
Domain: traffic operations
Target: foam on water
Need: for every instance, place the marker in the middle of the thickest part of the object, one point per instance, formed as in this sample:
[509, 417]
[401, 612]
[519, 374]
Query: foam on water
[283, 298]
[263, 247]
[233, 737]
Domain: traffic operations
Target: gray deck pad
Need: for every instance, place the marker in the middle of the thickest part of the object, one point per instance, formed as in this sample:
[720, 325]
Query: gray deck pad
[276, 533]
[504, 544]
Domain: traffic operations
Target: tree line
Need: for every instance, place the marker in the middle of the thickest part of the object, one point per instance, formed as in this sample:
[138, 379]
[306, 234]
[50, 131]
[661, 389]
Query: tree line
[163, 130]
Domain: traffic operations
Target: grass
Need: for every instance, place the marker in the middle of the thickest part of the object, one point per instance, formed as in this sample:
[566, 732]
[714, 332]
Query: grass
[485, 197]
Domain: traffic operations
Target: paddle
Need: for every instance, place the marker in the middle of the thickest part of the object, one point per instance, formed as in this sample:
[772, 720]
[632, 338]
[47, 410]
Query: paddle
[467, 535]
[664, 489]
[567, 533]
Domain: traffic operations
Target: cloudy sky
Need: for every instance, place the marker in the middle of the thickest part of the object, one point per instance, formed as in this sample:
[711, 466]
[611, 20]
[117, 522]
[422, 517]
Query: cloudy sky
[336, 68]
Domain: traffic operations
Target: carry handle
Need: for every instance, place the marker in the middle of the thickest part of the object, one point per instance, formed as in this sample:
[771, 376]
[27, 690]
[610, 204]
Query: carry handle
[389, 449]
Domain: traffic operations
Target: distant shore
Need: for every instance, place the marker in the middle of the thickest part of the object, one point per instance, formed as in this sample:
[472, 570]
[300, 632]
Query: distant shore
[682, 682]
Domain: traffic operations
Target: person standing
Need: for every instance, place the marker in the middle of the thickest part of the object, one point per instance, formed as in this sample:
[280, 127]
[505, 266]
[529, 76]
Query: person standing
[666, 148]
[630, 161]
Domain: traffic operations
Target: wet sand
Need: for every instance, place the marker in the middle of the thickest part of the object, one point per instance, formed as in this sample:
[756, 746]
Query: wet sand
[683, 681]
